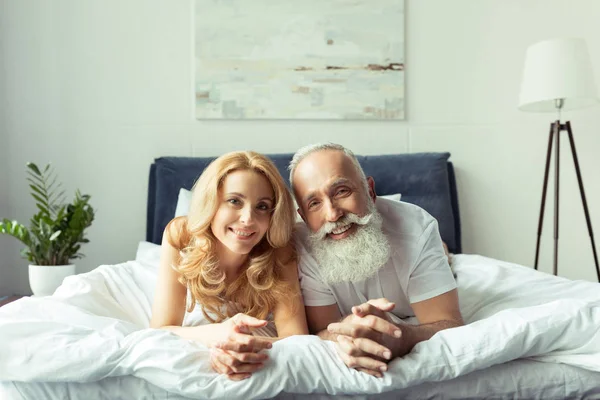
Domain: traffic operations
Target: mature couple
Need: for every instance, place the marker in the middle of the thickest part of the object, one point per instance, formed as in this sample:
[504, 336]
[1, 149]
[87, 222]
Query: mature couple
[349, 273]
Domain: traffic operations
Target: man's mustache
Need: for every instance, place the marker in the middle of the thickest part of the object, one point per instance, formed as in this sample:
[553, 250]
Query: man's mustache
[347, 219]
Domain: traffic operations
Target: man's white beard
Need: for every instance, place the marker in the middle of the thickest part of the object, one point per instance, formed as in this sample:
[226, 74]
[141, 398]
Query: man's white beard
[356, 257]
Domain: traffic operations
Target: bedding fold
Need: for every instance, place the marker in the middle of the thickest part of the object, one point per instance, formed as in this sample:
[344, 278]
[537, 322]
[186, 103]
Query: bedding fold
[96, 326]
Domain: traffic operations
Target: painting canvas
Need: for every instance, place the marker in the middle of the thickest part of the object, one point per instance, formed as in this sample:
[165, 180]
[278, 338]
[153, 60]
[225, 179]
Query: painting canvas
[310, 59]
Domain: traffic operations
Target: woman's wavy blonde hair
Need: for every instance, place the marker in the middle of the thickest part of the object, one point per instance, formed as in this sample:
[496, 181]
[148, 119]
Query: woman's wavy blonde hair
[261, 287]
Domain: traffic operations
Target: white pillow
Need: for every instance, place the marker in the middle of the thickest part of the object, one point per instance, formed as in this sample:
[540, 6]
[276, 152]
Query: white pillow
[148, 253]
[185, 198]
[183, 202]
[395, 196]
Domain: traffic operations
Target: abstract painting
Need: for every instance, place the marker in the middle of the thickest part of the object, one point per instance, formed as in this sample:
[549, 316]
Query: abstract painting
[309, 59]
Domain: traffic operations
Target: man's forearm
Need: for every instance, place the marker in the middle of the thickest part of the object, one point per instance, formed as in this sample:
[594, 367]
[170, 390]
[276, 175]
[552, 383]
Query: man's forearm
[413, 334]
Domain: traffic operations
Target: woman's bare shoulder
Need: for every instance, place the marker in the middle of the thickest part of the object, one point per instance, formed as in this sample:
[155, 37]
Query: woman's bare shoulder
[287, 254]
[288, 259]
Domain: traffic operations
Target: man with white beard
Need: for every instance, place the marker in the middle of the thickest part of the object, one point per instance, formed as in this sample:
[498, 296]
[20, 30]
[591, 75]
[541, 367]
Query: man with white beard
[366, 263]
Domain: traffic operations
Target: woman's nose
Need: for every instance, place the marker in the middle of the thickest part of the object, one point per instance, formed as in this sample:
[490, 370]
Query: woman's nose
[247, 214]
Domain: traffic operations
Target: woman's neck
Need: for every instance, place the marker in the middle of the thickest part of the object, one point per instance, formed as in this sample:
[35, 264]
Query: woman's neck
[231, 263]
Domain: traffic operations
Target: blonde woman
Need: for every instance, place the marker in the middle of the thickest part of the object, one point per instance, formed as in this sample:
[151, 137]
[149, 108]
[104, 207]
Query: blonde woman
[233, 257]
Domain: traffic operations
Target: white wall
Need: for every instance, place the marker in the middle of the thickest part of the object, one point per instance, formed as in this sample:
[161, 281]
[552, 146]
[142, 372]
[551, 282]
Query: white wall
[5, 282]
[101, 88]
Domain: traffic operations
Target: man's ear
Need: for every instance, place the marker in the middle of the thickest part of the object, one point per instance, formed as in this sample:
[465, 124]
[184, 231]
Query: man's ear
[371, 184]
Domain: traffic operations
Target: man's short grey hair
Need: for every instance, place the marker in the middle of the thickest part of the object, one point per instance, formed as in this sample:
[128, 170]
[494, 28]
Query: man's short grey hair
[313, 148]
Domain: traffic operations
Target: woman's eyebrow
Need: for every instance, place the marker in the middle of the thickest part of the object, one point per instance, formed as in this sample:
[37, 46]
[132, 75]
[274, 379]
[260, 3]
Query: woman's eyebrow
[244, 197]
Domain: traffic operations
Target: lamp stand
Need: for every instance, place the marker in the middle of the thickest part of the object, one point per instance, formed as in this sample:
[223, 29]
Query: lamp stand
[555, 129]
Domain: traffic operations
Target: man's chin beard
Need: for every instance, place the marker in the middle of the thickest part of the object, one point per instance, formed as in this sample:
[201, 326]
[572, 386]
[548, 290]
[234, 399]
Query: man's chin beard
[356, 257]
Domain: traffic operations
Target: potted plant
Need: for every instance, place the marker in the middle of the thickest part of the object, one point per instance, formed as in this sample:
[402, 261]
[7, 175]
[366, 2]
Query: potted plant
[55, 233]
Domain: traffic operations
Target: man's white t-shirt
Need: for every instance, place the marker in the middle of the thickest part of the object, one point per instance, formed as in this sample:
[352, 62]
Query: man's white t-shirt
[417, 269]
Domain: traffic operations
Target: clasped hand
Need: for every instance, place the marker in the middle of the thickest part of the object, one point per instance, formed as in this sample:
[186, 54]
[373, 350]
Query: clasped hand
[367, 339]
[238, 353]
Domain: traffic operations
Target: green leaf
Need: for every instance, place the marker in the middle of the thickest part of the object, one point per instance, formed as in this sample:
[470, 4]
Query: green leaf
[38, 190]
[16, 230]
[36, 180]
[57, 198]
[57, 229]
[55, 235]
[34, 168]
[40, 199]
[42, 209]
[53, 183]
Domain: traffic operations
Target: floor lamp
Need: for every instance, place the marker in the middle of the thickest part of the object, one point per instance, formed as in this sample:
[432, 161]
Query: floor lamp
[558, 76]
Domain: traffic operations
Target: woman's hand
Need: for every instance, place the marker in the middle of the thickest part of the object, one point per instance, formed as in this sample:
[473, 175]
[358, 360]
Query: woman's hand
[237, 353]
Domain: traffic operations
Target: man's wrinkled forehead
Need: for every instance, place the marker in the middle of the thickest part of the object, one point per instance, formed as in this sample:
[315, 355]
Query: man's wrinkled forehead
[320, 168]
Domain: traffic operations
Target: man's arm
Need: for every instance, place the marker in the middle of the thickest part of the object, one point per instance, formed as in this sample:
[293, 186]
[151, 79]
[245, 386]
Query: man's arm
[435, 314]
[438, 313]
[359, 348]
[318, 318]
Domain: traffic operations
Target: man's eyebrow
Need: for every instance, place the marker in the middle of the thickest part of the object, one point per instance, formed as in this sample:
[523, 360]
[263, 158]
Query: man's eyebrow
[332, 185]
[340, 181]
[308, 197]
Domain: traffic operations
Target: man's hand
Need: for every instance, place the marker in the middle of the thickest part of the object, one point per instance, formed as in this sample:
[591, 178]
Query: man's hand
[238, 356]
[367, 338]
[378, 308]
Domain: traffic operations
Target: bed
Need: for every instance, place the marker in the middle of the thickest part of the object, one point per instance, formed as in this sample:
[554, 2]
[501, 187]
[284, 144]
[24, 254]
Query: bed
[424, 179]
[529, 334]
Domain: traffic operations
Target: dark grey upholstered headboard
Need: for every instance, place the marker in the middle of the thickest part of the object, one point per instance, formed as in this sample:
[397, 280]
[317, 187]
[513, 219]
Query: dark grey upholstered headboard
[424, 179]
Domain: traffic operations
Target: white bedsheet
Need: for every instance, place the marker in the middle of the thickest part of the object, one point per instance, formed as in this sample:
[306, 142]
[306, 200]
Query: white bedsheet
[518, 379]
[96, 326]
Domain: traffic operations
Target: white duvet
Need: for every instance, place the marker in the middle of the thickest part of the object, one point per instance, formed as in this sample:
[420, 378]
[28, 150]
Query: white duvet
[96, 326]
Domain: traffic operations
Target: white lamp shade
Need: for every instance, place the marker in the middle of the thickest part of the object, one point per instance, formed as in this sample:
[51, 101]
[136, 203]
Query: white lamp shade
[557, 69]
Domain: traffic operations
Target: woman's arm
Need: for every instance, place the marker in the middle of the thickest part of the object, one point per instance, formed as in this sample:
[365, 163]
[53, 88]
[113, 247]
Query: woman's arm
[289, 315]
[170, 296]
[168, 308]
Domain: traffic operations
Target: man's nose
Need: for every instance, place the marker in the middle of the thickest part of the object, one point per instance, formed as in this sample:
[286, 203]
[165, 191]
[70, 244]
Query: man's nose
[333, 212]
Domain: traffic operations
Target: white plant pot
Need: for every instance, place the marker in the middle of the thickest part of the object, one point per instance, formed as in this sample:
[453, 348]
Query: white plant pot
[45, 279]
